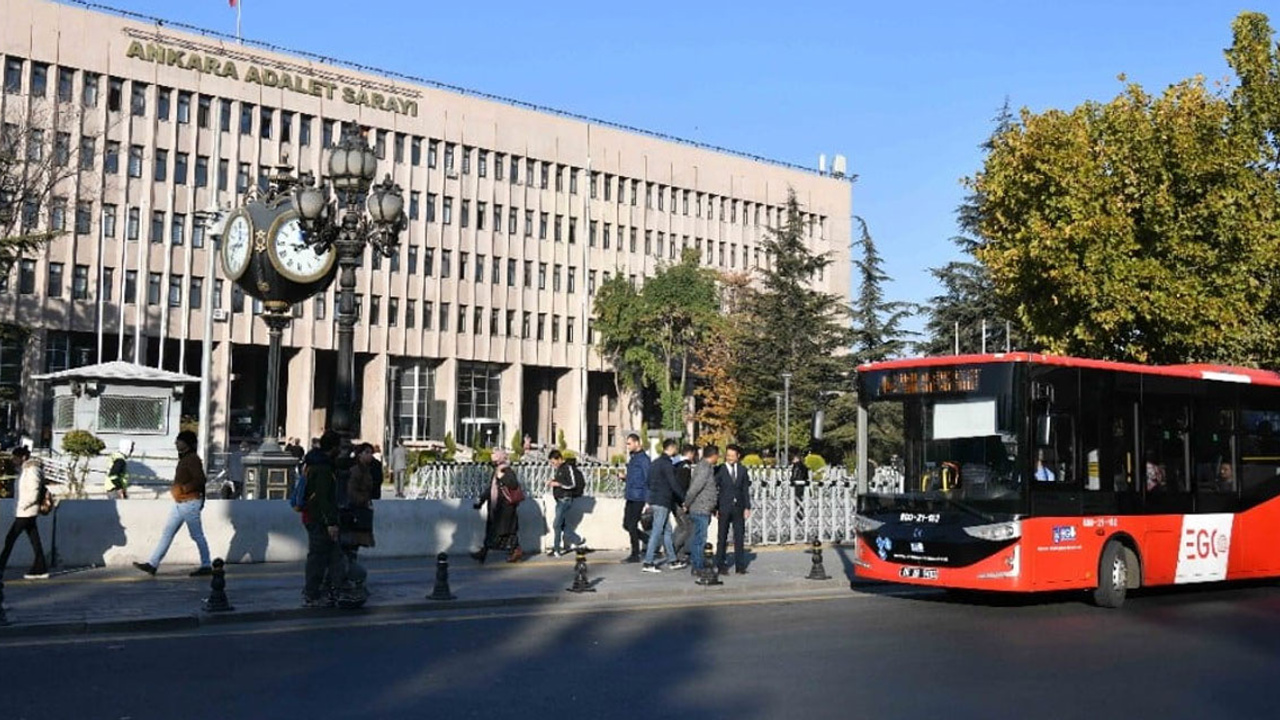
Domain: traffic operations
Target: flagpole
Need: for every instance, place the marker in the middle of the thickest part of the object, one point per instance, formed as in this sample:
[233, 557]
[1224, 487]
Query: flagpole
[239, 37]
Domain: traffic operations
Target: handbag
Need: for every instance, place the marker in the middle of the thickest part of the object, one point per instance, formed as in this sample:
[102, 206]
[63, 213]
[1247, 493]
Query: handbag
[45, 504]
[513, 496]
[356, 519]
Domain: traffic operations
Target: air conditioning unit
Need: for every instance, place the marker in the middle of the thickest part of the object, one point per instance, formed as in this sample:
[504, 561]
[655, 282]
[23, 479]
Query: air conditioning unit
[220, 314]
[451, 174]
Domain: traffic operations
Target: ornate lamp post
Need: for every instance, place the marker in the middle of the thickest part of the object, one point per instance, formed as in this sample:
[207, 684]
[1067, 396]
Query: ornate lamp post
[343, 213]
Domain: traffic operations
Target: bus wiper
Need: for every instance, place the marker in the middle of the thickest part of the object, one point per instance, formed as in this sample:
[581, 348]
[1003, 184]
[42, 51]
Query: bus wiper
[968, 508]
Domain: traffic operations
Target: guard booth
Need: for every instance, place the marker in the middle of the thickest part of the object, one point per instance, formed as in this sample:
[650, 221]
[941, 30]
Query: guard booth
[122, 403]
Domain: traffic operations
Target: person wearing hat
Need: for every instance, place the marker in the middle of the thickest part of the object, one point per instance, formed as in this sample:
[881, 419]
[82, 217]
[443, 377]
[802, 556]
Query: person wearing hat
[30, 491]
[188, 501]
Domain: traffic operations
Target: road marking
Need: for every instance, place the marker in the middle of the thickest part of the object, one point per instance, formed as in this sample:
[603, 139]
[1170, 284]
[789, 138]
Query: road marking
[330, 623]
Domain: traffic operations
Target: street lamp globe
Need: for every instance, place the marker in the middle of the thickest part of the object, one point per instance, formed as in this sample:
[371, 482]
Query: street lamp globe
[385, 203]
[352, 165]
[310, 200]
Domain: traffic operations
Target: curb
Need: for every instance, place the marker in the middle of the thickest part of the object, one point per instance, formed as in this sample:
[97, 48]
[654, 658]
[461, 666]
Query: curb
[197, 620]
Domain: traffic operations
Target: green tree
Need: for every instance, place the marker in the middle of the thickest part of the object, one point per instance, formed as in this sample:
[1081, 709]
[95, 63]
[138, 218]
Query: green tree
[653, 335]
[791, 326]
[877, 323]
[82, 446]
[1144, 228]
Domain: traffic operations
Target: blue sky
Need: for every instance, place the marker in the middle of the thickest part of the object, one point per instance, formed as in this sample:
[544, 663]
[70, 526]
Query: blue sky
[906, 90]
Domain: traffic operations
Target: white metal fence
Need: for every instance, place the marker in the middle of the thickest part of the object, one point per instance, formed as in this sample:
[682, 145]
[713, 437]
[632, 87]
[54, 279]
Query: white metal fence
[783, 514]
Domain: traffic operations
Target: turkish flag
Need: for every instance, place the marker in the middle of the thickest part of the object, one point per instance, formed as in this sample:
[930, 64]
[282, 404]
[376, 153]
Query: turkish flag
[233, 2]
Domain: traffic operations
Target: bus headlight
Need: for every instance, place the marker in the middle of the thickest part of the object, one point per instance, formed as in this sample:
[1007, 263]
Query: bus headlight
[864, 524]
[996, 532]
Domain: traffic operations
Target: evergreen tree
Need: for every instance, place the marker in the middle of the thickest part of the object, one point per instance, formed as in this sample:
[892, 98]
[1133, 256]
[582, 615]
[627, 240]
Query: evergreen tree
[877, 323]
[790, 327]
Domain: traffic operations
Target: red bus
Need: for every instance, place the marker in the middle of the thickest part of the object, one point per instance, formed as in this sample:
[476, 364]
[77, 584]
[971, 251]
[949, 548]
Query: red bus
[1022, 472]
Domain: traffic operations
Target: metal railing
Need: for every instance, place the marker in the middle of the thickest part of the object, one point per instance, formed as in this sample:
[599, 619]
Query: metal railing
[824, 509]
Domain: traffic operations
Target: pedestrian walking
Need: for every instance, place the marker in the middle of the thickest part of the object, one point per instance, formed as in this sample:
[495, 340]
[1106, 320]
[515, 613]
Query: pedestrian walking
[32, 491]
[502, 525]
[662, 497]
[733, 509]
[117, 482]
[636, 494]
[799, 478]
[325, 559]
[399, 463]
[701, 501]
[567, 485]
[188, 501]
[684, 463]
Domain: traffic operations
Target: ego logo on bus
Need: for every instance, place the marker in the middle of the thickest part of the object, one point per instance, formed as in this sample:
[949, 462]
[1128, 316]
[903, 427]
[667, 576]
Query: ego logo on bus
[1206, 543]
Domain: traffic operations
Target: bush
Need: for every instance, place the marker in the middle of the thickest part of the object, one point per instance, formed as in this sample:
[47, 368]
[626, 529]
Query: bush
[569, 455]
[561, 445]
[814, 462]
[618, 459]
[752, 461]
[483, 455]
[81, 445]
[450, 447]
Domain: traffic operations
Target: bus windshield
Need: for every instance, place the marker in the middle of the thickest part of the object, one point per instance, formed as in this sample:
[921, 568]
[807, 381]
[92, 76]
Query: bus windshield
[957, 441]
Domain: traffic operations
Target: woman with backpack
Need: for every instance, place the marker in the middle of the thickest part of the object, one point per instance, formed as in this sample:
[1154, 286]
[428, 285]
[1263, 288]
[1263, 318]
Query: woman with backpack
[502, 526]
[33, 497]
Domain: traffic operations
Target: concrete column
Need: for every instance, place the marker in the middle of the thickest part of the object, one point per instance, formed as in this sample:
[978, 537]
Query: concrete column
[373, 400]
[571, 407]
[301, 396]
[447, 390]
[220, 396]
[512, 389]
[33, 364]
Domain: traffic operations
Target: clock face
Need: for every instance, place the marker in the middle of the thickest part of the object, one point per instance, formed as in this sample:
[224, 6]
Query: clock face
[237, 244]
[295, 259]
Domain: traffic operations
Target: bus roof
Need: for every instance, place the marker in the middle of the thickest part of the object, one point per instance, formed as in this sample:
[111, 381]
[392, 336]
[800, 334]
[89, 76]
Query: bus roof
[1196, 371]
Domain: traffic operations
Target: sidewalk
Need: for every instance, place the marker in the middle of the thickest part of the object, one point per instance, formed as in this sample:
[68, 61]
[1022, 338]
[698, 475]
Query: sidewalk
[114, 600]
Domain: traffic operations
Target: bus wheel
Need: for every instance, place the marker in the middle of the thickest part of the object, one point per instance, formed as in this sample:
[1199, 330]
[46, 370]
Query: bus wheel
[1113, 576]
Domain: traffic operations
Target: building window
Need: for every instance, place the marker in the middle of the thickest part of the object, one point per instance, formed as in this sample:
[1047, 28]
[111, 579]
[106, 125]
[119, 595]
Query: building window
[573, 230]
[542, 327]
[415, 153]
[157, 226]
[428, 315]
[604, 238]
[13, 75]
[591, 282]
[524, 325]
[447, 211]
[398, 144]
[482, 209]
[163, 96]
[528, 223]
[62, 149]
[204, 108]
[202, 170]
[135, 161]
[478, 399]
[461, 325]
[178, 229]
[138, 98]
[111, 161]
[448, 156]
[264, 125]
[224, 169]
[197, 234]
[89, 92]
[413, 259]
[53, 288]
[433, 148]
[161, 165]
[513, 222]
[58, 214]
[573, 181]
[108, 282]
[544, 179]
[499, 162]
[130, 286]
[428, 261]
[463, 261]
[446, 263]
[542, 276]
[175, 291]
[195, 294]
[35, 145]
[477, 321]
[27, 274]
[326, 133]
[242, 178]
[410, 313]
[479, 268]
[528, 273]
[465, 219]
[109, 220]
[84, 217]
[515, 170]
[414, 197]
[246, 119]
[39, 79]
[88, 151]
[132, 223]
[375, 309]
[542, 226]
[304, 130]
[591, 233]
[511, 323]
[572, 283]
[482, 163]
[115, 94]
[180, 161]
[555, 328]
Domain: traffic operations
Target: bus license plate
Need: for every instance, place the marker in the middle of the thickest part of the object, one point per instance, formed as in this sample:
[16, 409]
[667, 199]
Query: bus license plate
[918, 573]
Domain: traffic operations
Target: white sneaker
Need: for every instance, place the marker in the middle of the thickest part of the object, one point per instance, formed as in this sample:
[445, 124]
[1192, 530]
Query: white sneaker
[36, 576]
[651, 568]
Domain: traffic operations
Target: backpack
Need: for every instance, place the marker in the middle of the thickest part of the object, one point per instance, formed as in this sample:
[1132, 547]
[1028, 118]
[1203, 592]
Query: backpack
[298, 500]
[579, 482]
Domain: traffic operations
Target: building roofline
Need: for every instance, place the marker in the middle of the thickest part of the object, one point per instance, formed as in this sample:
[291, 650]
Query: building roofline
[458, 89]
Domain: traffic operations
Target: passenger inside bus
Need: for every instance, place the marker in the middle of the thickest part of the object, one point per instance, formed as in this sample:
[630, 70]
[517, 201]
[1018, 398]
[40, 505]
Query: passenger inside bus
[1155, 474]
[1044, 466]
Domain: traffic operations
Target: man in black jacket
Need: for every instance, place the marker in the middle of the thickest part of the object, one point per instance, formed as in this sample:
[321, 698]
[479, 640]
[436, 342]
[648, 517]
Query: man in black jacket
[733, 509]
[662, 496]
[566, 485]
[684, 526]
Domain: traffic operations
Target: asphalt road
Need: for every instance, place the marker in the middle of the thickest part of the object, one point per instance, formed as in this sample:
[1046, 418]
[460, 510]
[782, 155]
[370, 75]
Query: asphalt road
[1198, 654]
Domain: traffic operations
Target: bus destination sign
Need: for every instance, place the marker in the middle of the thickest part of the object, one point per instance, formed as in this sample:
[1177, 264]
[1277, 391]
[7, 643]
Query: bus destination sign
[929, 381]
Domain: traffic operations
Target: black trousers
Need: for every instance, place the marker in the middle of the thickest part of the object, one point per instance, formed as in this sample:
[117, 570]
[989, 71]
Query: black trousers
[631, 523]
[736, 519]
[683, 533]
[19, 526]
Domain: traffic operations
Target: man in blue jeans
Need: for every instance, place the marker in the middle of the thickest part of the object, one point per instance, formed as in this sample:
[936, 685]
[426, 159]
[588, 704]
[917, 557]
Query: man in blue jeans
[701, 502]
[188, 501]
[566, 485]
[662, 496]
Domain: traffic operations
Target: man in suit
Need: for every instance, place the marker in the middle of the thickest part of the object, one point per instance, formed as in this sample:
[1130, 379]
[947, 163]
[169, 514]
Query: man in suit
[733, 508]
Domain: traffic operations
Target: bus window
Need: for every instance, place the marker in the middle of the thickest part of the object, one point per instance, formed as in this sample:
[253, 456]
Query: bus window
[1259, 449]
[1213, 449]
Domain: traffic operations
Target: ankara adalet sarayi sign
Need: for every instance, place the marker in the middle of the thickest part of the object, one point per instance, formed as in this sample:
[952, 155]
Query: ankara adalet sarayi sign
[210, 64]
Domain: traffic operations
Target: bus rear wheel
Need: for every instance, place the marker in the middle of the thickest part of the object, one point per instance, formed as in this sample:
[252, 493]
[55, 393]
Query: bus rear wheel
[1113, 576]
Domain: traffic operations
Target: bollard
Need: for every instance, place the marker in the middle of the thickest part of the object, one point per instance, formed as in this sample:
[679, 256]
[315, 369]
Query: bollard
[441, 591]
[217, 601]
[580, 583]
[710, 571]
[817, 571]
[4, 620]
